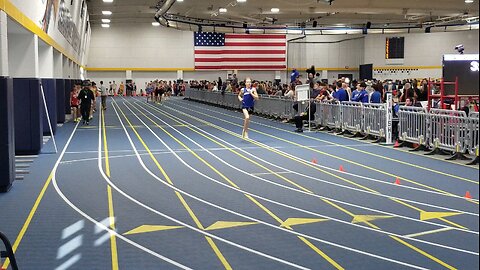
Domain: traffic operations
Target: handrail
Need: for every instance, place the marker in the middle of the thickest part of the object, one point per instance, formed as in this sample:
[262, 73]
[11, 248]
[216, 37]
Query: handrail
[9, 252]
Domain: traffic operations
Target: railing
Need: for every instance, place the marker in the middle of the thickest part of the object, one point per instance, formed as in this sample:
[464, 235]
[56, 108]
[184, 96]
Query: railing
[444, 131]
[8, 253]
[412, 126]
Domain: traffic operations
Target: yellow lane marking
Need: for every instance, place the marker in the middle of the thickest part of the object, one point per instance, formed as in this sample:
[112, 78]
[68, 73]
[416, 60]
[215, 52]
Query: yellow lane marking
[321, 253]
[329, 155]
[301, 221]
[413, 235]
[29, 219]
[331, 203]
[105, 146]
[316, 168]
[113, 240]
[151, 228]
[434, 215]
[260, 205]
[219, 254]
[212, 244]
[219, 225]
[367, 218]
[431, 257]
[368, 153]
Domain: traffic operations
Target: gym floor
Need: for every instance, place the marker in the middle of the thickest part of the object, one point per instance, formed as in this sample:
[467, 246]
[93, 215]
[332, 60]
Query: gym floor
[149, 186]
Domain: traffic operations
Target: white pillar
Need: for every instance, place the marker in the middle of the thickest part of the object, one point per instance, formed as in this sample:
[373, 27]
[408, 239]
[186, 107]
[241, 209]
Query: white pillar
[3, 44]
[180, 74]
[23, 55]
[45, 57]
[128, 75]
[57, 65]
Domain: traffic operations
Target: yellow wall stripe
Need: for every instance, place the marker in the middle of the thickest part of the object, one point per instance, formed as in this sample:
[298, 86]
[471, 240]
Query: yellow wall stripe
[31, 26]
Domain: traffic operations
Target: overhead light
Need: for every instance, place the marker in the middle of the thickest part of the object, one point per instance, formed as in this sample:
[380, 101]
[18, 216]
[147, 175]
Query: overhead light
[105, 25]
[106, 12]
[222, 10]
[469, 1]
[105, 20]
[275, 10]
[241, 1]
[155, 24]
[179, 0]
[107, 1]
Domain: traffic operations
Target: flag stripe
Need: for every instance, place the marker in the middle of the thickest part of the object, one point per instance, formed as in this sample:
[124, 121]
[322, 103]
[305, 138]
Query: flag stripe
[201, 51]
[240, 36]
[227, 59]
[239, 44]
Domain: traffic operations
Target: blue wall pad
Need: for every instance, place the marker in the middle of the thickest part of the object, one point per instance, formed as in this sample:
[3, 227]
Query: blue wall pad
[68, 88]
[28, 116]
[7, 135]
[60, 85]
[50, 90]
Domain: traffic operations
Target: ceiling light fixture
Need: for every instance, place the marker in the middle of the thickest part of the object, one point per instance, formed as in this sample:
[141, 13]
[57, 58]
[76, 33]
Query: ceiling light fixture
[222, 10]
[105, 25]
[105, 20]
[107, 1]
[241, 1]
[469, 1]
[107, 12]
[155, 24]
[275, 10]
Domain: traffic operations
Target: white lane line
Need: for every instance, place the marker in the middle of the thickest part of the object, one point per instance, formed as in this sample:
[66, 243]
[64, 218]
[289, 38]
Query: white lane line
[286, 206]
[325, 181]
[186, 194]
[105, 228]
[269, 173]
[413, 235]
[335, 170]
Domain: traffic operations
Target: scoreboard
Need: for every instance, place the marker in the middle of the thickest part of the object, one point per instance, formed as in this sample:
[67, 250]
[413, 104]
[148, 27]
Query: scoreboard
[395, 48]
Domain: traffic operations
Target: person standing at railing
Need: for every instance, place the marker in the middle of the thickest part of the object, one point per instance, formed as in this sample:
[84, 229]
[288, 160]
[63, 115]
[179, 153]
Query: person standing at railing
[340, 94]
[247, 96]
[362, 95]
[376, 96]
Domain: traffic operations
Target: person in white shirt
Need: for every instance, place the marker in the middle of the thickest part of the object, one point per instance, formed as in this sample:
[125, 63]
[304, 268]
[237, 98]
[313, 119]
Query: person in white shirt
[104, 94]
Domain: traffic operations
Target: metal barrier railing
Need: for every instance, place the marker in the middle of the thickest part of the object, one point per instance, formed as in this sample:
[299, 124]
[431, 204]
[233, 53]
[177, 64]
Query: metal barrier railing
[449, 131]
[375, 119]
[412, 126]
[8, 253]
[442, 130]
[352, 117]
[473, 136]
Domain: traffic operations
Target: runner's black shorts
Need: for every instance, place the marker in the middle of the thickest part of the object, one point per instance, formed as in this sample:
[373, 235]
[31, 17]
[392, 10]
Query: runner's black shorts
[249, 109]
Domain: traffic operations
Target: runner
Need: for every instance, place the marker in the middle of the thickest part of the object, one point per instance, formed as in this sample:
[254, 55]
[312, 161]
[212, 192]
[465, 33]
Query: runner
[247, 96]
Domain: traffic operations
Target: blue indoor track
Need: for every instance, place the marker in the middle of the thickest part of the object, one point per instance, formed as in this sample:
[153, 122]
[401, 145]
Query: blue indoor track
[174, 186]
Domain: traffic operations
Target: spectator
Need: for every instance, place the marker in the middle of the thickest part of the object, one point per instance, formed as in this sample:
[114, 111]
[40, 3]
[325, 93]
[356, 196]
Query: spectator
[310, 110]
[340, 94]
[362, 95]
[295, 74]
[376, 96]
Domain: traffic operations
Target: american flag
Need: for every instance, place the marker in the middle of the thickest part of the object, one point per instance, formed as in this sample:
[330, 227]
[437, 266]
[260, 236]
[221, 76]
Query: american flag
[219, 51]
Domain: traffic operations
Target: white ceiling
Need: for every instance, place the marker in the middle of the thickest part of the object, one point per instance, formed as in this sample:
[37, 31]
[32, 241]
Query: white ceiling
[381, 13]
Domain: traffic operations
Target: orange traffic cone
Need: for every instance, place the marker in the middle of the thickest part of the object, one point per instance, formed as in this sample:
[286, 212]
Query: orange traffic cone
[341, 168]
[125, 93]
[314, 161]
[397, 181]
[468, 195]
[115, 94]
[396, 145]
